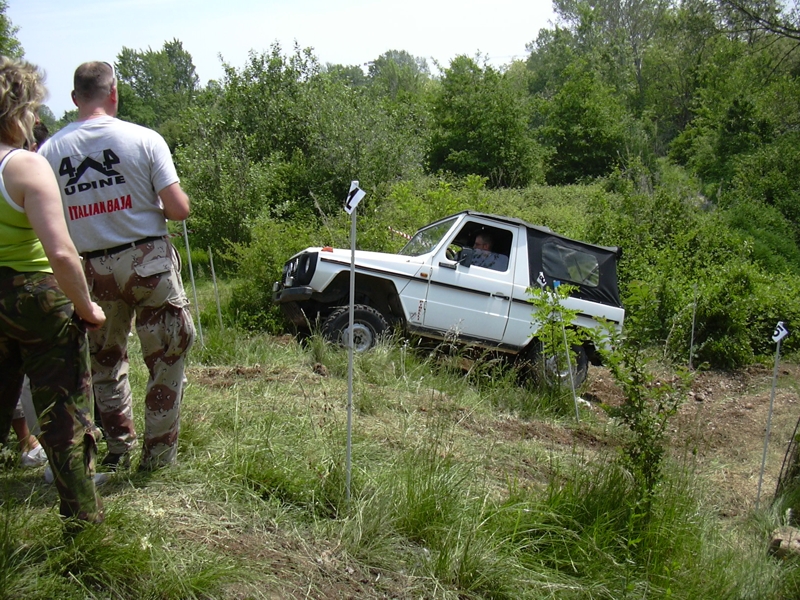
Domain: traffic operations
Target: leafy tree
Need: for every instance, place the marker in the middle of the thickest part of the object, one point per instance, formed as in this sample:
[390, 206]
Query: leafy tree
[48, 119]
[550, 55]
[770, 16]
[747, 104]
[673, 66]
[480, 126]
[9, 44]
[352, 75]
[585, 128]
[622, 31]
[398, 74]
[282, 139]
[155, 86]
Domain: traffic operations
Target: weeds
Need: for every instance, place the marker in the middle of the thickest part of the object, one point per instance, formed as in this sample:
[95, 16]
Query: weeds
[453, 494]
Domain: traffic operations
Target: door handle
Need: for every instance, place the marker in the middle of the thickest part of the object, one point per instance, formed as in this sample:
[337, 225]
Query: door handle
[499, 295]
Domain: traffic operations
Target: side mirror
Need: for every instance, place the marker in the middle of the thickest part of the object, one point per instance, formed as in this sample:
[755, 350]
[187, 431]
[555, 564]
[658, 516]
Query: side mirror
[465, 257]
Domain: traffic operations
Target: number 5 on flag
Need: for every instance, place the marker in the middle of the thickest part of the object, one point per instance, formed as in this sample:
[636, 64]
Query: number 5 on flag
[780, 332]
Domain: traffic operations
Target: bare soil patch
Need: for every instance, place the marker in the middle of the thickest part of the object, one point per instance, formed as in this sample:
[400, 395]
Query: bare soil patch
[722, 427]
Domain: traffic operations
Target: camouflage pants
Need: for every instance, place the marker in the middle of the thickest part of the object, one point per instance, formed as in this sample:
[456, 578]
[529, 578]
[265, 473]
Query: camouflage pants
[141, 283]
[39, 337]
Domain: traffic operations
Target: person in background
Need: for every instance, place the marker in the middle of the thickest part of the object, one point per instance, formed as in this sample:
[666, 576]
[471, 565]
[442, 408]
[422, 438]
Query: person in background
[40, 134]
[31, 452]
[45, 307]
[119, 186]
[485, 256]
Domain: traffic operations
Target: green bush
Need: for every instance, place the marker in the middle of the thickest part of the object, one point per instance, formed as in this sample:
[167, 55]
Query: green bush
[201, 263]
[260, 265]
[772, 235]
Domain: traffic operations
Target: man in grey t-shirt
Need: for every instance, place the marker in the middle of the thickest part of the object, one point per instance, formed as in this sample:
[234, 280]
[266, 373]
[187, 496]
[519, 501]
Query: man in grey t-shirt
[484, 255]
[119, 186]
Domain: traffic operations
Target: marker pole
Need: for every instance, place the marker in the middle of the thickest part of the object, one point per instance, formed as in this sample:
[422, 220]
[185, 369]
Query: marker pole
[780, 332]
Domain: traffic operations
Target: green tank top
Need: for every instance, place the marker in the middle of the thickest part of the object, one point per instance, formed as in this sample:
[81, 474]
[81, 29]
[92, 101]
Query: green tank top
[20, 249]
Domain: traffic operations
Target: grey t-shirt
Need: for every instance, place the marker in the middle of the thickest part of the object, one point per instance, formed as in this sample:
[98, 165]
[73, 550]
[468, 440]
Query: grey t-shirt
[110, 172]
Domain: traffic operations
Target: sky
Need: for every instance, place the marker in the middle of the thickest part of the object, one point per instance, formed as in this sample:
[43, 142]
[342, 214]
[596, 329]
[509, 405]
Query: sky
[58, 35]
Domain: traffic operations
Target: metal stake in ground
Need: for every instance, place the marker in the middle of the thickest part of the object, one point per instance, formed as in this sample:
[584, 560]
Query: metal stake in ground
[194, 287]
[556, 283]
[353, 198]
[216, 289]
[779, 333]
[694, 318]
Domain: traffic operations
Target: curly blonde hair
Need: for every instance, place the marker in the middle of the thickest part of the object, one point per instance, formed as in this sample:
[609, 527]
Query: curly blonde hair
[21, 93]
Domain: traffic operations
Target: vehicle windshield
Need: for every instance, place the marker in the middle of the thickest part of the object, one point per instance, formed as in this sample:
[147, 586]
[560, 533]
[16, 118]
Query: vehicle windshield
[426, 239]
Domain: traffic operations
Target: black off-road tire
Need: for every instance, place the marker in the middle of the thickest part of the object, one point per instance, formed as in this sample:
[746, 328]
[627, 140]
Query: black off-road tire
[532, 364]
[369, 324]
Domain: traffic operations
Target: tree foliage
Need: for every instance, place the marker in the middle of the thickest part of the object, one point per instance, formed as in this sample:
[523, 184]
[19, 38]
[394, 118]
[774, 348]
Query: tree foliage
[585, 128]
[9, 44]
[480, 127]
[397, 74]
[673, 125]
[155, 86]
[284, 138]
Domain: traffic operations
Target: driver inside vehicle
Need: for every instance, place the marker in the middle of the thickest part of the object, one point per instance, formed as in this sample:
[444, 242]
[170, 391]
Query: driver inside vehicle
[484, 255]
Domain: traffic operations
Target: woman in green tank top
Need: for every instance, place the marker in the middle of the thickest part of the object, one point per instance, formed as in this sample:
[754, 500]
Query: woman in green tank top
[45, 307]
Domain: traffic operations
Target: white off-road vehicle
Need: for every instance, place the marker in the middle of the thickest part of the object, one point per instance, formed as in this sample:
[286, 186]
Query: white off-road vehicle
[445, 284]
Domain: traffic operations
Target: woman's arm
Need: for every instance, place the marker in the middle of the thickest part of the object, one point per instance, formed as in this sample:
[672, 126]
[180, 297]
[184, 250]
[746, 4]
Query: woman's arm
[31, 184]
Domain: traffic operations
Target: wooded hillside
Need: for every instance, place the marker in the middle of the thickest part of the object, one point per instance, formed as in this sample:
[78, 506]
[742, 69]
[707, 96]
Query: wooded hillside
[669, 129]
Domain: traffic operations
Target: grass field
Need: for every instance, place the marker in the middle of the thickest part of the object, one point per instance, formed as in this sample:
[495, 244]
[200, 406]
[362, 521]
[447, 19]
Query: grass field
[462, 485]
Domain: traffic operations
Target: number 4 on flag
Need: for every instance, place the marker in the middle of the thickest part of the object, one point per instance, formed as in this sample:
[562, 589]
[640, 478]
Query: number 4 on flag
[780, 332]
[354, 197]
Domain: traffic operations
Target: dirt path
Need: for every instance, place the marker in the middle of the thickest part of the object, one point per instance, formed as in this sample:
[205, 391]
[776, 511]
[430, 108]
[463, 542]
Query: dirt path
[723, 424]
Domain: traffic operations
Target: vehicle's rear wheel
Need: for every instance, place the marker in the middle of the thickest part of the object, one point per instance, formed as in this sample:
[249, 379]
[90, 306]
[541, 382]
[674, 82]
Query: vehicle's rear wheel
[552, 370]
[368, 325]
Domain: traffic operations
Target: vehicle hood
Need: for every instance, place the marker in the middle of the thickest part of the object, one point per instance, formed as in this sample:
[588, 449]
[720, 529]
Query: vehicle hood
[373, 261]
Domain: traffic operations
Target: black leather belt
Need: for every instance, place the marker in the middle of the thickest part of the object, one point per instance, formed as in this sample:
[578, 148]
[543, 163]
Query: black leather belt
[120, 248]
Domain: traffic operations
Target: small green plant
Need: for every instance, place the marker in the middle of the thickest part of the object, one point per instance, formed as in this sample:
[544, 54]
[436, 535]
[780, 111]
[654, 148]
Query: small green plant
[649, 402]
[560, 344]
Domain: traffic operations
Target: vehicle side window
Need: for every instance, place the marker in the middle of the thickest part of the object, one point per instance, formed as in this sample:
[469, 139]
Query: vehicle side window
[570, 264]
[491, 246]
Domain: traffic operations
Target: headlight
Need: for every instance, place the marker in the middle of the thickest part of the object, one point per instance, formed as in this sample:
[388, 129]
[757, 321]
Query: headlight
[289, 270]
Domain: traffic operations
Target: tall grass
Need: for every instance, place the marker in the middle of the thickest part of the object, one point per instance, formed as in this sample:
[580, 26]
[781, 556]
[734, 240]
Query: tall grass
[447, 499]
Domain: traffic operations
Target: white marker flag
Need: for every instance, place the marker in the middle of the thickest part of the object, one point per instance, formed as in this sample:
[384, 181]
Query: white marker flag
[354, 197]
[780, 332]
[541, 280]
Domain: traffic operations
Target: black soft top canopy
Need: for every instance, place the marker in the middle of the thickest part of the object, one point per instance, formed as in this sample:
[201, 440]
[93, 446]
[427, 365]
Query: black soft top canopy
[591, 268]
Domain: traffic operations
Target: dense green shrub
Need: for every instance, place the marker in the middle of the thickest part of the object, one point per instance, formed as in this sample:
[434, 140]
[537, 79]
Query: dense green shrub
[772, 235]
[768, 176]
[260, 265]
[480, 127]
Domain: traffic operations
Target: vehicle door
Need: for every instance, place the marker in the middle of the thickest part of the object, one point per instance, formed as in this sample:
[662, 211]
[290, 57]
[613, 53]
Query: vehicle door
[469, 301]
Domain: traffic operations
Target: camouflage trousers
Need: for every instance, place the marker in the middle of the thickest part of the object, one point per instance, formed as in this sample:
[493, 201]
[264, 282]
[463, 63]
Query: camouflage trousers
[141, 284]
[40, 337]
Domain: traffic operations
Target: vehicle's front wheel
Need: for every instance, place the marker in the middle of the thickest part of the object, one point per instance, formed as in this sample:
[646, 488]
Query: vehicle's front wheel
[368, 325]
